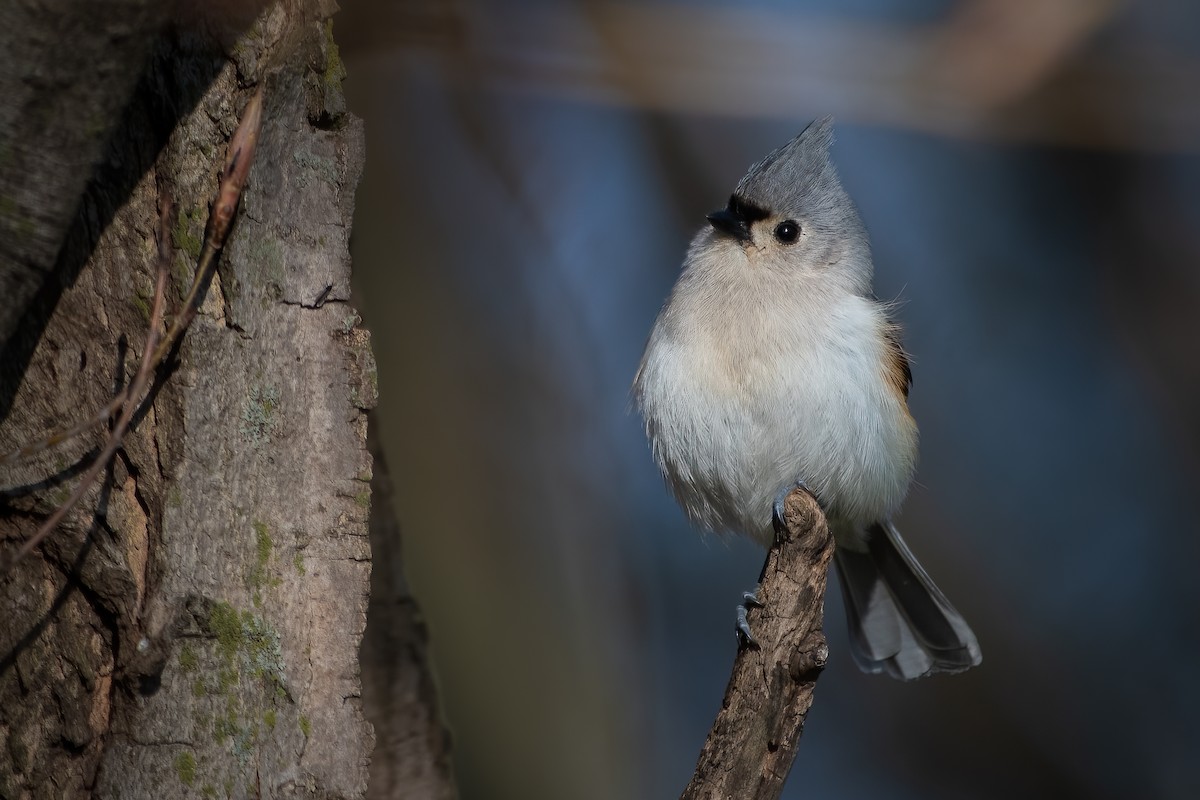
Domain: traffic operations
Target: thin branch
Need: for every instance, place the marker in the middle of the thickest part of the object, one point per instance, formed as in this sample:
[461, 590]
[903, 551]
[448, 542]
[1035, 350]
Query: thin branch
[239, 157]
[140, 381]
[755, 737]
[238, 160]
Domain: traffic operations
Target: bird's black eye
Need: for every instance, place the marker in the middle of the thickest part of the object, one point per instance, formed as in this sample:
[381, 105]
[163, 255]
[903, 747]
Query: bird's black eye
[787, 231]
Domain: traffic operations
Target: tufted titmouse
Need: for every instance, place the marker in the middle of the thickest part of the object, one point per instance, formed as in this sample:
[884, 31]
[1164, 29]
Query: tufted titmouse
[772, 365]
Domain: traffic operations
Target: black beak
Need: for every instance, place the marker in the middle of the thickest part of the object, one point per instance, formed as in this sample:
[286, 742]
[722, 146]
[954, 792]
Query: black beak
[731, 224]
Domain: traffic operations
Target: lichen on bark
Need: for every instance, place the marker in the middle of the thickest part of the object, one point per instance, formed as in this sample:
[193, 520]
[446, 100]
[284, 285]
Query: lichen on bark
[192, 628]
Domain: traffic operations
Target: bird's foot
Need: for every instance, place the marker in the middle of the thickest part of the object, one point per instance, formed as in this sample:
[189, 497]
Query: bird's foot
[777, 508]
[745, 637]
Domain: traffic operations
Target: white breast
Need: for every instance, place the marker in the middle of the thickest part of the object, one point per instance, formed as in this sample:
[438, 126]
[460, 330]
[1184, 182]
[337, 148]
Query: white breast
[740, 404]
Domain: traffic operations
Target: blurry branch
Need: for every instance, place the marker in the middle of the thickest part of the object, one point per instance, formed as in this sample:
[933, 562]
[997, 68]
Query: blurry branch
[990, 53]
[754, 739]
[238, 159]
[412, 745]
[1014, 69]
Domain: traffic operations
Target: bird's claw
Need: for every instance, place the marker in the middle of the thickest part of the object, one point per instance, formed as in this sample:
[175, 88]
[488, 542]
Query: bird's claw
[742, 626]
[777, 508]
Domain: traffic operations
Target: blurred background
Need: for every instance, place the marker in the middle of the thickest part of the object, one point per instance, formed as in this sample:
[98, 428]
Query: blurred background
[1029, 174]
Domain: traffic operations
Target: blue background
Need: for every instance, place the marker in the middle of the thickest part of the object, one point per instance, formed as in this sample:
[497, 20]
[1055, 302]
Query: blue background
[534, 173]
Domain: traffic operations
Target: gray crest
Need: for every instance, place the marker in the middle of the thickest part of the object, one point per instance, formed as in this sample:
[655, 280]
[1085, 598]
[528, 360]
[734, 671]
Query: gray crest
[799, 178]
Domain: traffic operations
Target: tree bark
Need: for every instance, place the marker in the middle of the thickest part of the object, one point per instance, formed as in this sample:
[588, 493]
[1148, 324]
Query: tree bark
[192, 628]
[756, 735]
[67, 69]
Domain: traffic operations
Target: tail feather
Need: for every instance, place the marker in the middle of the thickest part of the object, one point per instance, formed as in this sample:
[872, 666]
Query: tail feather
[900, 622]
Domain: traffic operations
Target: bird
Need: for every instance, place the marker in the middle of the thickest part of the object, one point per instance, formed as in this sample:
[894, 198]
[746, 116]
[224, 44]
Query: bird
[773, 365]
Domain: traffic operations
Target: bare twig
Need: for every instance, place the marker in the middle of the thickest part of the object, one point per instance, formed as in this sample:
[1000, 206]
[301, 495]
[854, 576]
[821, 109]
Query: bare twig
[136, 387]
[238, 160]
[754, 739]
[239, 157]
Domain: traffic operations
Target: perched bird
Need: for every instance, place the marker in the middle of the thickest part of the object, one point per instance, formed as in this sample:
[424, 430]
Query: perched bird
[772, 365]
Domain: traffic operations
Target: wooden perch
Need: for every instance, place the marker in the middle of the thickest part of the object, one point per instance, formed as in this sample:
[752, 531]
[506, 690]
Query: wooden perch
[754, 739]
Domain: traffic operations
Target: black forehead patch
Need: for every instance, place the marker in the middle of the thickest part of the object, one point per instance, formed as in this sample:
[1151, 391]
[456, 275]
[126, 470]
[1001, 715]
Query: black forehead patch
[745, 210]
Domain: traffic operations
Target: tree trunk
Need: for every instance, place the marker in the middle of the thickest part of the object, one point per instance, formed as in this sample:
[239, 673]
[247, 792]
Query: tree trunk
[192, 628]
[67, 68]
[412, 748]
